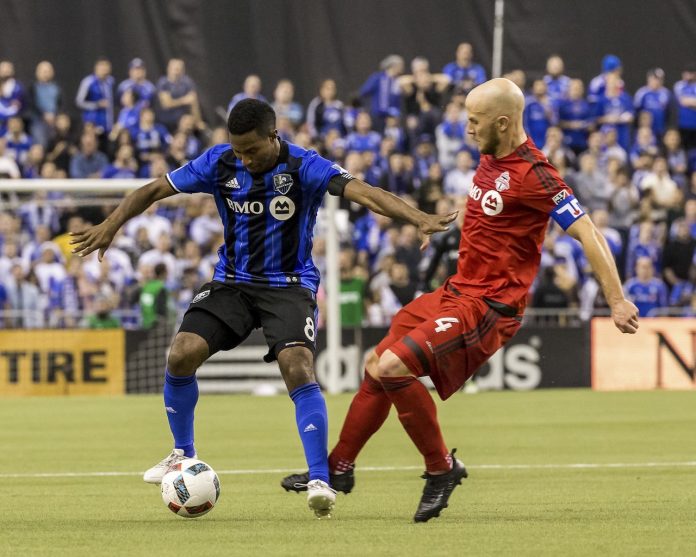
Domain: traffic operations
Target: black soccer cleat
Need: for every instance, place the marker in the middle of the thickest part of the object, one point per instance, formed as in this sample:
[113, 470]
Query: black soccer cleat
[339, 482]
[438, 489]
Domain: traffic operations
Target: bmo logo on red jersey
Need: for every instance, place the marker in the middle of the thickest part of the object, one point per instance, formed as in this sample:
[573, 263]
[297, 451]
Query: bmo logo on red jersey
[491, 201]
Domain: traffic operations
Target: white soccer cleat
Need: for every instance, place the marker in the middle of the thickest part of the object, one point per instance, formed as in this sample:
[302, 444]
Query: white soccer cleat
[320, 498]
[155, 474]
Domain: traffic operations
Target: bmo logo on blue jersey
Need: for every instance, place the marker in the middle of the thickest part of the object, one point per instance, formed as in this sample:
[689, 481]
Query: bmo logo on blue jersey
[246, 208]
[281, 207]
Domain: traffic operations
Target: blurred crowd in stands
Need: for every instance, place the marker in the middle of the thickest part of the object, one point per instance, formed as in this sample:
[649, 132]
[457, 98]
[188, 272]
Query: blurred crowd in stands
[631, 159]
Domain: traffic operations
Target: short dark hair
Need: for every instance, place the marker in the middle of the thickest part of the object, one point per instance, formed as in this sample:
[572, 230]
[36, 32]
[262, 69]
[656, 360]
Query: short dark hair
[251, 114]
[160, 270]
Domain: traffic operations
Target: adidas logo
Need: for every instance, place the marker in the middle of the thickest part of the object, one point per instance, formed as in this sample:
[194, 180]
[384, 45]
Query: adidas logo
[310, 427]
[232, 184]
[170, 410]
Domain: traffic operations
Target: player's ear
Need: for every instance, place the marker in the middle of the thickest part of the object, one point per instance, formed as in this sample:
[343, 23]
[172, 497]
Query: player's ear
[274, 135]
[503, 123]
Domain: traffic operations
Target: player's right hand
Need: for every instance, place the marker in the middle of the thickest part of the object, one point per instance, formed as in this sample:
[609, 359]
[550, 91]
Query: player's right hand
[98, 237]
[432, 224]
[625, 316]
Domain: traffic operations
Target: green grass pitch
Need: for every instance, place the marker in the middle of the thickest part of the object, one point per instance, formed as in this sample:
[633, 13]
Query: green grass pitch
[533, 502]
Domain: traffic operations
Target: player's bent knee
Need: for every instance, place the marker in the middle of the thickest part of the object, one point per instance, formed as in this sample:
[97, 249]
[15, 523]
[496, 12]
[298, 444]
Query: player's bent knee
[371, 364]
[390, 365]
[187, 353]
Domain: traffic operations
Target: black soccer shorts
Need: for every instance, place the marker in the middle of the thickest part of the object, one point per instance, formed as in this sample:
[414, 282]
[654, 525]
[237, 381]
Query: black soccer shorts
[225, 314]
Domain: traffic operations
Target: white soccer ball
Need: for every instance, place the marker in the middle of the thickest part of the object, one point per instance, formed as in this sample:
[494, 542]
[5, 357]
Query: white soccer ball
[190, 488]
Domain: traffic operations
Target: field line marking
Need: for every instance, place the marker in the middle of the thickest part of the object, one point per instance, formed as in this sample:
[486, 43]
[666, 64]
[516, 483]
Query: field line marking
[570, 466]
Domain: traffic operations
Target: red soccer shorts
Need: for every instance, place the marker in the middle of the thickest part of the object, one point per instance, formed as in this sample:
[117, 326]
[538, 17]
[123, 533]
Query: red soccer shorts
[447, 337]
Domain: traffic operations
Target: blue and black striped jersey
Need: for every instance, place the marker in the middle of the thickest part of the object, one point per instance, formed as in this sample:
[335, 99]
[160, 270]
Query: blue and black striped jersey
[268, 218]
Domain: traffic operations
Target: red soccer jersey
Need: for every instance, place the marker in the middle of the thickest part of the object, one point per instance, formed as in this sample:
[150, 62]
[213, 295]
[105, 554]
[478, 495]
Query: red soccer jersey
[508, 210]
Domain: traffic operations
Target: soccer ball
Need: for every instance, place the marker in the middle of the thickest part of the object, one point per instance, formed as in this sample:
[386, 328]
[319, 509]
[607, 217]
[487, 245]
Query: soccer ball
[190, 488]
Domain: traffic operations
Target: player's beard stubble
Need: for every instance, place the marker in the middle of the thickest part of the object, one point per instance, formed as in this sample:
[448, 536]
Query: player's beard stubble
[490, 144]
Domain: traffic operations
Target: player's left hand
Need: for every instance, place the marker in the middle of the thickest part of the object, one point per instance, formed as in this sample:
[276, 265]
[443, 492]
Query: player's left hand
[432, 224]
[625, 316]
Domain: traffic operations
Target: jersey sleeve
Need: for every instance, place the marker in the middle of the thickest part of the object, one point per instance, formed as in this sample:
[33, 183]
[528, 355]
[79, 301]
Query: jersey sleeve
[198, 175]
[544, 190]
[316, 173]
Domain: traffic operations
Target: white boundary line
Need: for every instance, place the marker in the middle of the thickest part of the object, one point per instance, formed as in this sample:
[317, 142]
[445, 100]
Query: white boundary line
[571, 466]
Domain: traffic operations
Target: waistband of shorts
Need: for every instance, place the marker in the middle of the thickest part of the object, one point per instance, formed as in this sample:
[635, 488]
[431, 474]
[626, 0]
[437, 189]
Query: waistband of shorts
[503, 309]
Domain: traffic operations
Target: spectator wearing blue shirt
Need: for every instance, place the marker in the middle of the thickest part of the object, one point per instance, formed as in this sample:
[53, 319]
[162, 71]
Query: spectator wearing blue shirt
[124, 165]
[396, 132]
[250, 90]
[382, 89]
[88, 162]
[601, 219]
[45, 99]
[646, 291]
[284, 105]
[611, 66]
[149, 137]
[363, 138]
[193, 144]
[95, 97]
[12, 97]
[128, 116]
[576, 117]
[143, 90]
[450, 136]
[654, 98]
[616, 110]
[644, 144]
[643, 244]
[676, 157]
[398, 179]
[325, 111]
[176, 93]
[557, 84]
[685, 93]
[18, 142]
[539, 114]
[464, 73]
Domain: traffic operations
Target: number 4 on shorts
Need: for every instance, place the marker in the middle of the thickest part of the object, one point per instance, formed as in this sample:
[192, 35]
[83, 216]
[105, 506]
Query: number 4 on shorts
[444, 323]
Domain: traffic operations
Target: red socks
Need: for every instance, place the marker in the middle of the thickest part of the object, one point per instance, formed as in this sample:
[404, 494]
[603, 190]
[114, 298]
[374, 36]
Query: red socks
[367, 412]
[418, 415]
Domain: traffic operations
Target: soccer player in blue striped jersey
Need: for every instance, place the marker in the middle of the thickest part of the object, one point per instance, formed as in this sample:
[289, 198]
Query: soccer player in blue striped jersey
[268, 193]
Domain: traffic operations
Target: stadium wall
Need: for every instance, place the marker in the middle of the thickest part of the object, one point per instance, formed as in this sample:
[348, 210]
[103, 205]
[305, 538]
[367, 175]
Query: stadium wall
[662, 355]
[309, 40]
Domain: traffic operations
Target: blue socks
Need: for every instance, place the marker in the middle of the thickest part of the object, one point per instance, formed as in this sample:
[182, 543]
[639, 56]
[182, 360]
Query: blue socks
[312, 424]
[180, 398]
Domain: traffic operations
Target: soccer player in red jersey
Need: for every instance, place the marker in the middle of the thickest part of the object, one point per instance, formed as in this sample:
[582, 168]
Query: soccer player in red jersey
[449, 333]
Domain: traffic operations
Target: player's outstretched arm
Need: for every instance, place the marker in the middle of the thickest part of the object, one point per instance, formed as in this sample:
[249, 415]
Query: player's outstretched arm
[624, 312]
[99, 237]
[389, 205]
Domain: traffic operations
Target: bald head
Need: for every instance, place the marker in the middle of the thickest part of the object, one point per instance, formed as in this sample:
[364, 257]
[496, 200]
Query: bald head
[495, 116]
[498, 97]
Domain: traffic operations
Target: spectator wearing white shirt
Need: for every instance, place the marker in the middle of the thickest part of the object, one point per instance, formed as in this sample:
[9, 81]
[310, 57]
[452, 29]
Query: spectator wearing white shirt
[207, 225]
[161, 253]
[459, 180]
[152, 222]
[8, 166]
[660, 191]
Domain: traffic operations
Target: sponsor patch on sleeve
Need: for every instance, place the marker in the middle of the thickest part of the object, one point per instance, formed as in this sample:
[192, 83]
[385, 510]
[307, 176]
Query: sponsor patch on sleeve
[560, 196]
